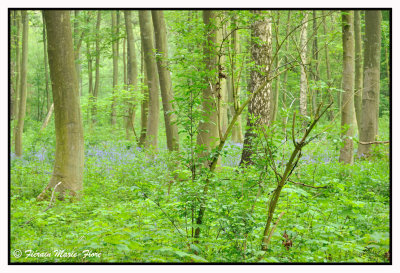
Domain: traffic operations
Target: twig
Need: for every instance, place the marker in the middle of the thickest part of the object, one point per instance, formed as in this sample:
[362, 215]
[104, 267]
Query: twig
[169, 218]
[46, 209]
[305, 185]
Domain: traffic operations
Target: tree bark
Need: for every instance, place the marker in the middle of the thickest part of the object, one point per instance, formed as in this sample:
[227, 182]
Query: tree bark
[371, 88]
[234, 88]
[77, 49]
[207, 136]
[303, 73]
[358, 82]
[46, 73]
[260, 106]
[15, 69]
[315, 63]
[347, 110]
[328, 95]
[23, 82]
[69, 156]
[132, 75]
[97, 67]
[275, 93]
[144, 111]
[285, 75]
[146, 34]
[164, 74]
[115, 53]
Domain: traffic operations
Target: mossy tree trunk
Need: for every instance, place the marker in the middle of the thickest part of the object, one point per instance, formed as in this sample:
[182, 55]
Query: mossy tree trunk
[358, 81]
[69, 155]
[97, 69]
[115, 53]
[207, 136]
[146, 33]
[22, 85]
[347, 110]
[164, 75]
[371, 88]
[132, 75]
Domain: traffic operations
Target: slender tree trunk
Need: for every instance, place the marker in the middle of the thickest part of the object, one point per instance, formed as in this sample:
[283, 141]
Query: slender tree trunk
[124, 61]
[132, 75]
[23, 82]
[46, 73]
[347, 111]
[144, 105]
[303, 72]
[48, 116]
[207, 136]
[90, 70]
[15, 66]
[285, 75]
[97, 67]
[164, 74]
[146, 34]
[358, 82]
[260, 105]
[328, 95]
[315, 62]
[234, 89]
[371, 88]
[18, 72]
[115, 53]
[275, 93]
[68, 165]
[222, 98]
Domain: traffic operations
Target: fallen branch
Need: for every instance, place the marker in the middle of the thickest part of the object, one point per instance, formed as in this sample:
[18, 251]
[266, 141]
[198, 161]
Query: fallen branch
[46, 209]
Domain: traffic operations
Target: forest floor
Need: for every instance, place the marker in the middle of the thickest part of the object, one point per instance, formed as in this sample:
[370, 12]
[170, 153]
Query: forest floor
[137, 208]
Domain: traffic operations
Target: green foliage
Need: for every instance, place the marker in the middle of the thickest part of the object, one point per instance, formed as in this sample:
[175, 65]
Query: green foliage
[141, 206]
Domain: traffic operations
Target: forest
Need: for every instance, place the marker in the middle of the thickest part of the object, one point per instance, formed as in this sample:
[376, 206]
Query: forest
[199, 136]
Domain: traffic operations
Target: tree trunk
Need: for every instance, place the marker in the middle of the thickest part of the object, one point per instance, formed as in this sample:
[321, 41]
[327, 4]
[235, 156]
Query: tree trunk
[285, 75]
[48, 116]
[260, 105]
[144, 105]
[16, 69]
[69, 156]
[303, 72]
[275, 93]
[370, 94]
[132, 75]
[97, 67]
[315, 92]
[23, 81]
[164, 74]
[207, 136]
[234, 89]
[146, 34]
[90, 70]
[328, 95]
[347, 110]
[46, 73]
[77, 49]
[358, 82]
[115, 53]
